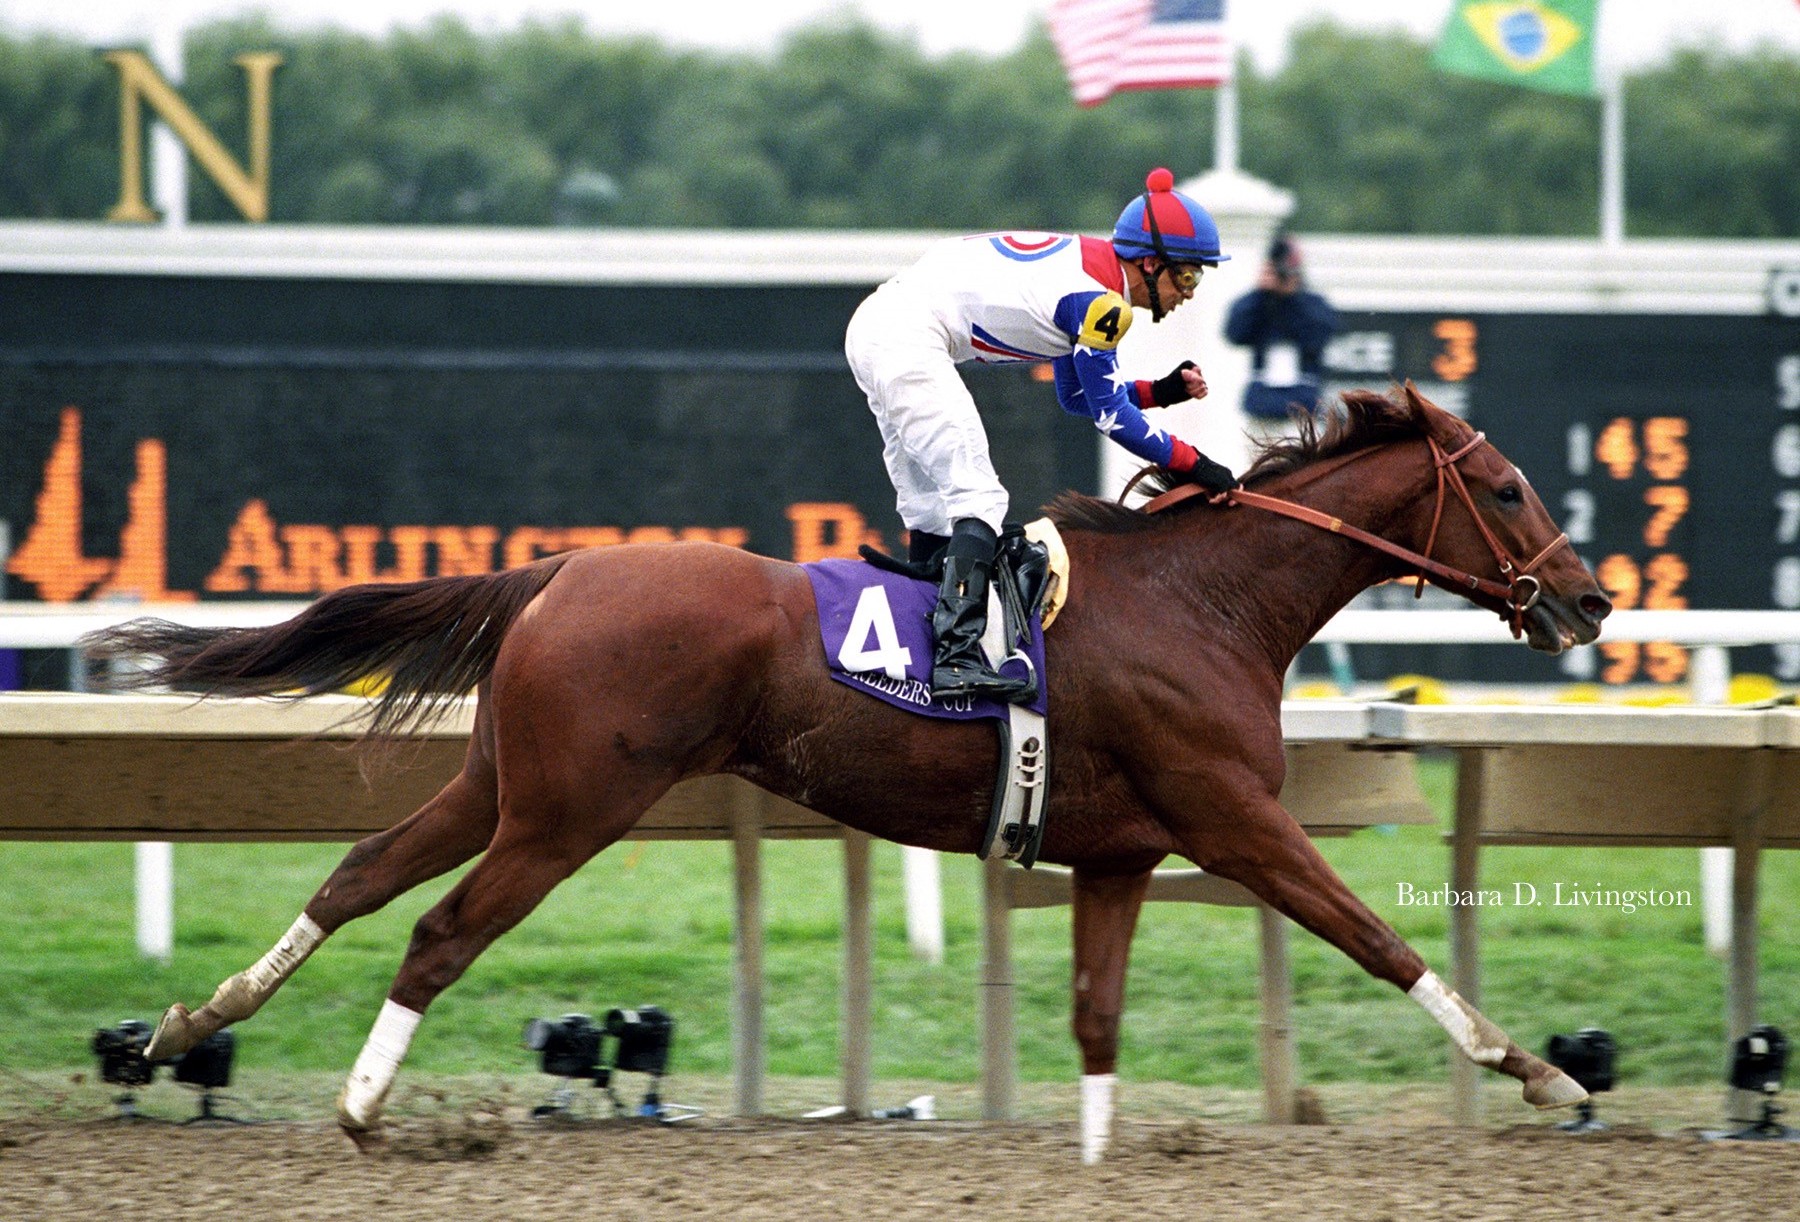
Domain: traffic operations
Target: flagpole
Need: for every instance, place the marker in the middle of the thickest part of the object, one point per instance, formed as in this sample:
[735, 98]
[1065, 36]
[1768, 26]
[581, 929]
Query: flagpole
[1612, 160]
[1225, 127]
[1612, 145]
[168, 160]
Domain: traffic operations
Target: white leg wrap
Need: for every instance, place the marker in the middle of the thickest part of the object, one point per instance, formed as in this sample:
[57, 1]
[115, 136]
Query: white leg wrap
[1460, 1019]
[373, 1073]
[1096, 1114]
[301, 939]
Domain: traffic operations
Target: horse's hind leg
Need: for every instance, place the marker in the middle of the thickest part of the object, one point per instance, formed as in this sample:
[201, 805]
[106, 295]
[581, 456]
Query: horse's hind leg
[1263, 848]
[528, 858]
[1106, 913]
[441, 835]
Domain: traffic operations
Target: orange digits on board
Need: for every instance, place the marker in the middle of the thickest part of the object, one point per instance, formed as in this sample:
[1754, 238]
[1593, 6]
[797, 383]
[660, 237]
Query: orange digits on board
[1665, 662]
[1621, 661]
[1665, 447]
[1616, 449]
[1618, 575]
[1457, 360]
[1671, 504]
[1666, 573]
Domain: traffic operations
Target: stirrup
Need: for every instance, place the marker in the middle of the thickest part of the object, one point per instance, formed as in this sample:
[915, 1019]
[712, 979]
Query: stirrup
[1015, 829]
[968, 679]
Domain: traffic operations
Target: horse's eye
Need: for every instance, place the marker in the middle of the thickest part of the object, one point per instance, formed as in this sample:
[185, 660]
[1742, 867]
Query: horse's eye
[1509, 494]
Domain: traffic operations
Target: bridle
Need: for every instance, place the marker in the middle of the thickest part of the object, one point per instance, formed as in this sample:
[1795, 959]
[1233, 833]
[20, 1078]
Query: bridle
[1521, 591]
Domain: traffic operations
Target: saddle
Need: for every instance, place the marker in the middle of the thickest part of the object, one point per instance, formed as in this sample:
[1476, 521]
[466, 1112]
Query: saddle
[1030, 561]
[1030, 576]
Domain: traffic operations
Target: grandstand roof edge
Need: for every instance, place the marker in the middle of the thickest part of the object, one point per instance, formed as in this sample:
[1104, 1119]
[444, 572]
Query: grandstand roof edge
[1367, 272]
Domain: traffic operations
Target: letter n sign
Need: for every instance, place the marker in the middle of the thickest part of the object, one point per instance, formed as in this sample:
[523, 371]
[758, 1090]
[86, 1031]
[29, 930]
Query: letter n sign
[140, 82]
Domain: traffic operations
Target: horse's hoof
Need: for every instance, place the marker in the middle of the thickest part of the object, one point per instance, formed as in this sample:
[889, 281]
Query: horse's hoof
[174, 1035]
[368, 1141]
[1554, 1089]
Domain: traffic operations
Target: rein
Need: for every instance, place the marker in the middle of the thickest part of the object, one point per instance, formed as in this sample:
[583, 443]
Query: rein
[1521, 591]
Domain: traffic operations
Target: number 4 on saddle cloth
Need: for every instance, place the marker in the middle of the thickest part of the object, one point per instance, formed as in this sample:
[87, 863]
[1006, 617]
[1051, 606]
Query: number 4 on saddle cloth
[875, 625]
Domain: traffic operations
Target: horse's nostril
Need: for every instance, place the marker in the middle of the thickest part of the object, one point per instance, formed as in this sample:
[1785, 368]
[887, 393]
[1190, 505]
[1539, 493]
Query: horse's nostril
[1595, 607]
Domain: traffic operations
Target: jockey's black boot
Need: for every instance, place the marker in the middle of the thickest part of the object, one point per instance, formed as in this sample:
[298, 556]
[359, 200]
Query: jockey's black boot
[958, 667]
[923, 547]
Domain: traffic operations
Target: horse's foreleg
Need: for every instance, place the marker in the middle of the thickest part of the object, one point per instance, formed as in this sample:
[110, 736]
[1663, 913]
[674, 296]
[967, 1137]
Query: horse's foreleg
[1545, 1086]
[1267, 851]
[441, 835]
[1106, 913]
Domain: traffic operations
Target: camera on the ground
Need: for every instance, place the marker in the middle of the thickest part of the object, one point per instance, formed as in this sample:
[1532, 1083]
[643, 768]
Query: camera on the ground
[120, 1049]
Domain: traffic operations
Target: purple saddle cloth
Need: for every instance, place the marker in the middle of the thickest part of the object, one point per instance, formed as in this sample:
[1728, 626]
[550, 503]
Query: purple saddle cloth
[876, 627]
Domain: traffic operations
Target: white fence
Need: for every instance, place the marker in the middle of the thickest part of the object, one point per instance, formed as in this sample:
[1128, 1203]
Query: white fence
[29, 625]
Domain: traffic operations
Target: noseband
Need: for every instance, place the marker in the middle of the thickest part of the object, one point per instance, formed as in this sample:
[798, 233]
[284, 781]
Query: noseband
[1521, 591]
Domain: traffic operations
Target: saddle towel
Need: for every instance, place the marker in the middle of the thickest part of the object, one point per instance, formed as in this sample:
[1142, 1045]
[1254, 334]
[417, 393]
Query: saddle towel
[876, 629]
[875, 626]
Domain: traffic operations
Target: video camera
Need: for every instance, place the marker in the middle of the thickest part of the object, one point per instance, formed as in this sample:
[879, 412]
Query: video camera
[121, 1053]
[573, 1046]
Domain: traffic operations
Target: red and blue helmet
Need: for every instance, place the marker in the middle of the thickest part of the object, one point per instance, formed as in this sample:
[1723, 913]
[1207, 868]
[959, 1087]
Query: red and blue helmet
[1167, 224]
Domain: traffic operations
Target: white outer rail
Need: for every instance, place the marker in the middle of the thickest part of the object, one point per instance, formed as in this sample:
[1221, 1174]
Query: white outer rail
[28, 625]
[1437, 627]
[25, 625]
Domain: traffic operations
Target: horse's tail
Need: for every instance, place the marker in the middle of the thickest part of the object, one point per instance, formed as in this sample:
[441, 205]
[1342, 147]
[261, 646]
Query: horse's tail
[430, 641]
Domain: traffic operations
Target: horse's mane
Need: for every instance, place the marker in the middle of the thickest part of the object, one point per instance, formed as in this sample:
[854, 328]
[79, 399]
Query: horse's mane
[1366, 419]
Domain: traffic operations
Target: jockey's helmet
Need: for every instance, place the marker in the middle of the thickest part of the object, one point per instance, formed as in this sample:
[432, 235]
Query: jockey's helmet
[1167, 224]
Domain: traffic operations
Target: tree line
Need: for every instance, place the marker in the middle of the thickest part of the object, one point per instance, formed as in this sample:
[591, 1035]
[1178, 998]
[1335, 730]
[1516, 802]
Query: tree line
[847, 126]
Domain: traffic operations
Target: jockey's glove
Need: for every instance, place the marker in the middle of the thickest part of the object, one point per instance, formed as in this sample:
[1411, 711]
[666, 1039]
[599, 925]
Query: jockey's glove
[1212, 476]
[1169, 390]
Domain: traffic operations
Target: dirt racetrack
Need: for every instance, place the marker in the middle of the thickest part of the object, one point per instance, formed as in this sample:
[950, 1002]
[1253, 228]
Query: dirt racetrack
[467, 1164]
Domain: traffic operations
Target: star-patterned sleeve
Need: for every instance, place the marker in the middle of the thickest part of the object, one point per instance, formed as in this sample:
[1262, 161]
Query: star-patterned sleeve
[1088, 381]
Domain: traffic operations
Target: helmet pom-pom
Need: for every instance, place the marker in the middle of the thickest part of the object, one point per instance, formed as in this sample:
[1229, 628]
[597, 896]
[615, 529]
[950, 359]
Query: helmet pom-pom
[1160, 179]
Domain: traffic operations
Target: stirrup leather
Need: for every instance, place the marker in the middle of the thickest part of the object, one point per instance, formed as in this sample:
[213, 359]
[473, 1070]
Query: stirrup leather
[1015, 829]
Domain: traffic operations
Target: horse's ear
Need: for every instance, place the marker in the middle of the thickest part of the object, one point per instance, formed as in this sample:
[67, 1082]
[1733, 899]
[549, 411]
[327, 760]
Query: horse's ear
[1417, 402]
[1427, 416]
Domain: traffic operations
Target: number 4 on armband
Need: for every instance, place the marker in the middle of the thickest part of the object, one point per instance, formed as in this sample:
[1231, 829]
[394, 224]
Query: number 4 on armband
[874, 617]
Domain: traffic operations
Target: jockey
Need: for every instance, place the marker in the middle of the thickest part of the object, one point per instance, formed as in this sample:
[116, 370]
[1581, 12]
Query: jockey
[1006, 297]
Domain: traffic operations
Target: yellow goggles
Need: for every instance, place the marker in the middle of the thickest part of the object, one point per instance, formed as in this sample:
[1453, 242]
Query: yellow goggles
[1185, 276]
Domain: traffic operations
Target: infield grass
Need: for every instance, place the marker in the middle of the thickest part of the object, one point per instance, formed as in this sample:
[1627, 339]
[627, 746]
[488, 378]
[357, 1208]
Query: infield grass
[651, 923]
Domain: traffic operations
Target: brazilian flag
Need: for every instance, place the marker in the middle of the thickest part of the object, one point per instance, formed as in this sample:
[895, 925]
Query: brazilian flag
[1541, 44]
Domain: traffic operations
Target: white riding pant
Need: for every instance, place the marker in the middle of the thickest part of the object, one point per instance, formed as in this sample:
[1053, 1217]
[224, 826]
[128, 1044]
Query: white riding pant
[933, 443]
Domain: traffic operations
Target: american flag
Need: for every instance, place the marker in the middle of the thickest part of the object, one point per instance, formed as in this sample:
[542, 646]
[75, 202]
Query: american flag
[1107, 45]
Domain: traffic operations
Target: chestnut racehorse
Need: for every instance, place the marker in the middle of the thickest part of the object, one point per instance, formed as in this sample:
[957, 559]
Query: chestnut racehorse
[606, 676]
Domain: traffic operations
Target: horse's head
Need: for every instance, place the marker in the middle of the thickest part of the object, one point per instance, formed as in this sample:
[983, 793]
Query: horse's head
[1406, 478]
[1480, 515]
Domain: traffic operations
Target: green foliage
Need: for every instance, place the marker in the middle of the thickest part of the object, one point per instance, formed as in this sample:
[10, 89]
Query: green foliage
[1704, 156]
[651, 922]
[847, 126]
[1372, 139]
[58, 130]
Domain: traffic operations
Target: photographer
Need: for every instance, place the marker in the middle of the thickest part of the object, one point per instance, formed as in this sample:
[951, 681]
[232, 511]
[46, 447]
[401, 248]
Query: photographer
[1287, 326]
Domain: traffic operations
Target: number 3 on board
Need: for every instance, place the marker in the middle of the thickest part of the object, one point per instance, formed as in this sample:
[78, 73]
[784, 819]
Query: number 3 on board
[874, 616]
[1457, 361]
